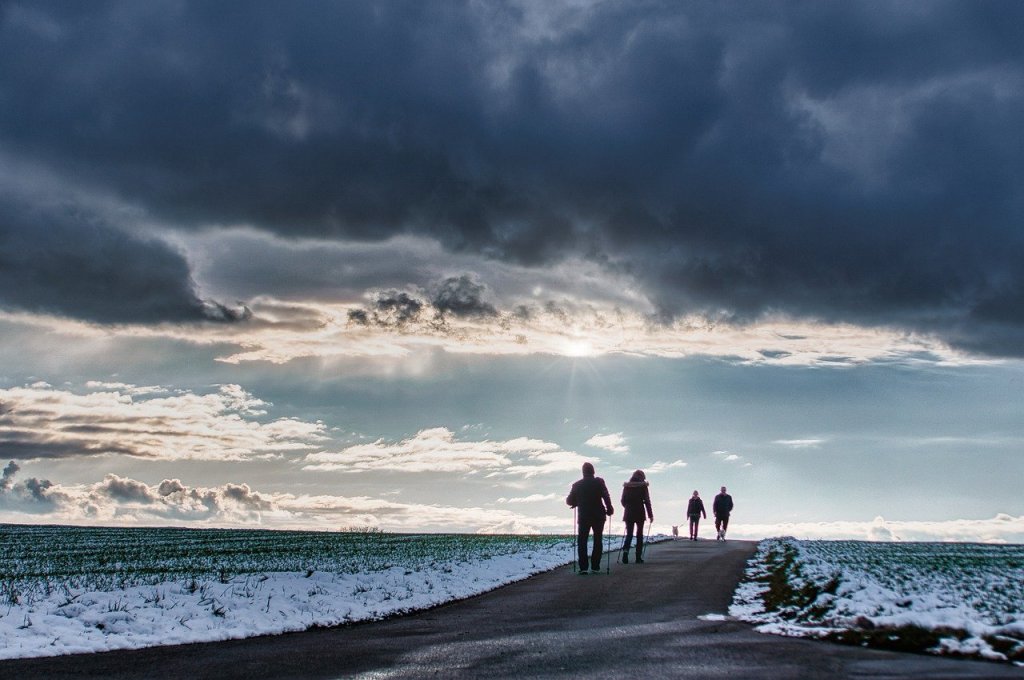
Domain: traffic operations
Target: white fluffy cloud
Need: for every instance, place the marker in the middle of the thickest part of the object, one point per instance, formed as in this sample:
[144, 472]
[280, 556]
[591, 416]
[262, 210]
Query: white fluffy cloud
[661, 466]
[438, 450]
[228, 423]
[125, 501]
[121, 500]
[727, 457]
[613, 442]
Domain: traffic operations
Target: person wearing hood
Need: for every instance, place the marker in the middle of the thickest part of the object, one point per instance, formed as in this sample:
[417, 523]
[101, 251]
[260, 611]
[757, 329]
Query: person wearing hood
[636, 507]
[694, 510]
[593, 503]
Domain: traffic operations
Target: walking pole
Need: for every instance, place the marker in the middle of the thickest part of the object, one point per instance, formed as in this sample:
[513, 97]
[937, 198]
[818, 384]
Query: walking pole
[608, 549]
[623, 543]
[647, 540]
[574, 541]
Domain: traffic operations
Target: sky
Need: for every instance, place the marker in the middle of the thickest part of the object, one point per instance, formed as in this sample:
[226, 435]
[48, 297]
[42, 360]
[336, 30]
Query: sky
[407, 266]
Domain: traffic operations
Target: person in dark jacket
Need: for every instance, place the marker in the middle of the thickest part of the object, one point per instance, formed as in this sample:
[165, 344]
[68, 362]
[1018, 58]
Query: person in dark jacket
[636, 498]
[721, 509]
[593, 503]
[694, 510]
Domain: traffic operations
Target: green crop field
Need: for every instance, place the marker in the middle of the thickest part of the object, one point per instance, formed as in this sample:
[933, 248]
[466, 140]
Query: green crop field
[98, 558]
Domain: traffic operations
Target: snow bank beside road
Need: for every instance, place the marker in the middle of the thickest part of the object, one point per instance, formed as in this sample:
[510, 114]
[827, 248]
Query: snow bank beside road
[943, 598]
[73, 620]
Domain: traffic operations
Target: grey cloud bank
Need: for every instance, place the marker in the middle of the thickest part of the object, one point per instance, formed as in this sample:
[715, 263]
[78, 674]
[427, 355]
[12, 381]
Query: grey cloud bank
[843, 162]
[65, 260]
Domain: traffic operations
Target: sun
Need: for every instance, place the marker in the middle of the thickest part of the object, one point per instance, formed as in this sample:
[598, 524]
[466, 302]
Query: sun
[579, 348]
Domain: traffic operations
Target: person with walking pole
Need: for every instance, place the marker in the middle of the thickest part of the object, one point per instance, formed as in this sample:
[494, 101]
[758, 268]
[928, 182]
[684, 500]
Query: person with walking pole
[589, 496]
[636, 507]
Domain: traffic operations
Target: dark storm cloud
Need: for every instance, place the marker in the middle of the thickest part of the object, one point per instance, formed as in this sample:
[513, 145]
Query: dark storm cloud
[389, 308]
[65, 261]
[845, 161]
[462, 296]
[397, 305]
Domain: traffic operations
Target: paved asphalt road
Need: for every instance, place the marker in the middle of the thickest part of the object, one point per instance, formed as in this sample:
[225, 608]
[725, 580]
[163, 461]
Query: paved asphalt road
[640, 621]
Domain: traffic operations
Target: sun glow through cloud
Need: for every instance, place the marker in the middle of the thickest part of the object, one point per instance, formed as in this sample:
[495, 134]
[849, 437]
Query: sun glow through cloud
[579, 349]
[283, 331]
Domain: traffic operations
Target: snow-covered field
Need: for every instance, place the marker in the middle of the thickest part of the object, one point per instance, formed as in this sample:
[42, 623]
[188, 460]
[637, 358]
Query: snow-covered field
[943, 598]
[65, 590]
